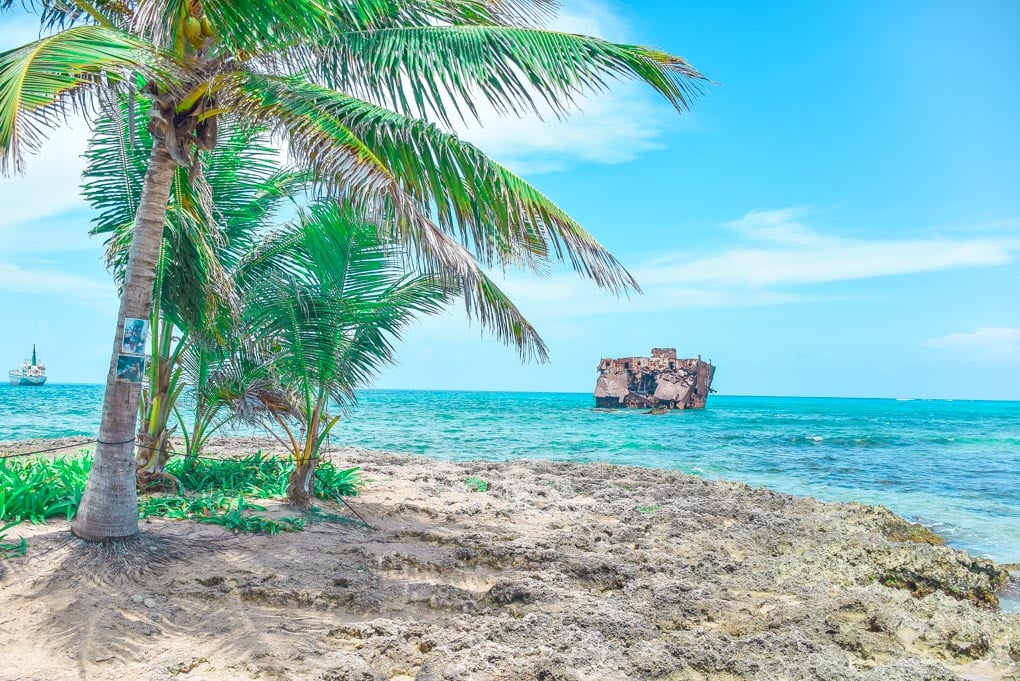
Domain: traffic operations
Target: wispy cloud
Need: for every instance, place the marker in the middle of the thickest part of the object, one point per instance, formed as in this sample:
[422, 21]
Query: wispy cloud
[779, 249]
[775, 257]
[612, 127]
[50, 185]
[16, 279]
[986, 345]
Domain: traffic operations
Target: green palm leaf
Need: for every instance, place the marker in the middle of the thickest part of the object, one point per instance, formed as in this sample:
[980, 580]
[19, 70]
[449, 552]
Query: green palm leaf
[427, 70]
[66, 13]
[242, 27]
[389, 164]
[243, 182]
[364, 15]
[43, 81]
[330, 297]
[301, 43]
[483, 298]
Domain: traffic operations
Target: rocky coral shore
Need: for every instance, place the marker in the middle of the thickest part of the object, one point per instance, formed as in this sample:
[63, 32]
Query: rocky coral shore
[547, 571]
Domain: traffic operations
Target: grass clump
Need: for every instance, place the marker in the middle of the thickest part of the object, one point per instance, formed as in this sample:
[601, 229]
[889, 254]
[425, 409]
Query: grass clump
[35, 489]
[8, 549]
[214, 491]
[260, 476]
[224, 484]
[233, 513]
[477, 484]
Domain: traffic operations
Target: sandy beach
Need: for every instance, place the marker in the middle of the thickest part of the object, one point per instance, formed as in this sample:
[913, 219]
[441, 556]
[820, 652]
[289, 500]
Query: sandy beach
[556, 572]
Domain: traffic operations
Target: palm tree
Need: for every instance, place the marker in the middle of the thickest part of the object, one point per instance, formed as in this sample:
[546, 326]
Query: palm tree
[326, 297]
[236, 383]
[196, 338]
[320, 74]
[246, 185]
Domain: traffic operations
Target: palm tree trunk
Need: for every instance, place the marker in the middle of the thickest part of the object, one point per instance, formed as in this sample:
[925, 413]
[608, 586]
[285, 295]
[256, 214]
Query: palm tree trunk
[302, 480]
[109, 508]
[301, 486]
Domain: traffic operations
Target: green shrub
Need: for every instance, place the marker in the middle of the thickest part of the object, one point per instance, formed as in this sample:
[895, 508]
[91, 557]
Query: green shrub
[332, 482]
[258, 475]
[477, 484]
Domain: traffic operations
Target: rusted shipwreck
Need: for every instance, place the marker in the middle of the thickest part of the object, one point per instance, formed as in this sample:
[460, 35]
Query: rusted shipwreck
[660, 382]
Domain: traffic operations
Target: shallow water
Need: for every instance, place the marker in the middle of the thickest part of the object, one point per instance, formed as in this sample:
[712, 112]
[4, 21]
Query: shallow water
[954, 466]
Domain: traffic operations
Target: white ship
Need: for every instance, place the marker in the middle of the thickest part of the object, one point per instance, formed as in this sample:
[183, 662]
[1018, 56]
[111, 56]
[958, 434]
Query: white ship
[29, 373]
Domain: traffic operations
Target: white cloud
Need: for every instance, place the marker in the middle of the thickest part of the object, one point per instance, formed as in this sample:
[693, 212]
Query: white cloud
[986, 345]
[14, 278]
[52, 178]
[784, 251]
[841, 260]
[783, 226]
[777, 258]
[613, 127]
[616, 127]
[50, 185]
[591, 17]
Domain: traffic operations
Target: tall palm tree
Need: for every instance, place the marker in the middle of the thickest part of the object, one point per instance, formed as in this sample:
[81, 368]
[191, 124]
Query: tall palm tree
[246, 184]
[320, 73]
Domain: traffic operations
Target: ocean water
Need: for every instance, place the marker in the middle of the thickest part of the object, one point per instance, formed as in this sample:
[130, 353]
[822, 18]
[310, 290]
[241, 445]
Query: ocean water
[954, 466]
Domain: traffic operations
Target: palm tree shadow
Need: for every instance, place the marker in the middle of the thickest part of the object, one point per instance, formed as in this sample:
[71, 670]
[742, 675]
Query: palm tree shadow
[108, 603]
[200, 592]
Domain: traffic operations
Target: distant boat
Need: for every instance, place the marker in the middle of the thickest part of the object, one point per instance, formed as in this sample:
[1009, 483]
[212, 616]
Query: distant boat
[29, 373]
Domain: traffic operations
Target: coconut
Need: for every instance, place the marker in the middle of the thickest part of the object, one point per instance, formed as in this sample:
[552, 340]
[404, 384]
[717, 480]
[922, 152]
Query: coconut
[193, 30]
[206, 26]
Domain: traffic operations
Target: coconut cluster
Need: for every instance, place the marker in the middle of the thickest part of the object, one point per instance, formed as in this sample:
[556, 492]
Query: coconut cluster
[197, 29]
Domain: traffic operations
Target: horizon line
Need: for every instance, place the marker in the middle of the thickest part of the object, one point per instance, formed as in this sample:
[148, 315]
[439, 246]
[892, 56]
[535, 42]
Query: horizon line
[572, 392]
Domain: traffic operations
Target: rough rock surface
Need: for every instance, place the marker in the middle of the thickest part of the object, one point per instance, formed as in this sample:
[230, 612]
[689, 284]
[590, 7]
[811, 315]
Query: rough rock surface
[557, 572]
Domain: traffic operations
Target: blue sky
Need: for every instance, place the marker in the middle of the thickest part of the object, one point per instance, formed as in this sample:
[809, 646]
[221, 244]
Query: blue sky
[838, 216]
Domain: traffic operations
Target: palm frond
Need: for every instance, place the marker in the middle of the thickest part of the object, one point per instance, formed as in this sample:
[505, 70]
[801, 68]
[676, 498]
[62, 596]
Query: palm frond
[367, 15]
[427, 71]
[483, 300]
[388, 164]
[330, 297]
[242, 180]
[60, 14]
[241, 26]
[45, 80]
[239, 379]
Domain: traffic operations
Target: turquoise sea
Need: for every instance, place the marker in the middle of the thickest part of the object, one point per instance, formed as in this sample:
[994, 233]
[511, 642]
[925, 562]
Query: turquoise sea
[954, 466]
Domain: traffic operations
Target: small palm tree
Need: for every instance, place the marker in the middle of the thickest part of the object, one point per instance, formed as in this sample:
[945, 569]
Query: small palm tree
[327, 298]
[236, 383]
[310, 70]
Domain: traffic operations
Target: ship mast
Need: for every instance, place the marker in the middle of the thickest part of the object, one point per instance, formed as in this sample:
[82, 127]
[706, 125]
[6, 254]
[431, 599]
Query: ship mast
[33, 355]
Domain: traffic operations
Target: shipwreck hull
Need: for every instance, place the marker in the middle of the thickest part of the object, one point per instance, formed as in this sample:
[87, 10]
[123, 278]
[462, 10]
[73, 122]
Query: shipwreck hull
[659, 382]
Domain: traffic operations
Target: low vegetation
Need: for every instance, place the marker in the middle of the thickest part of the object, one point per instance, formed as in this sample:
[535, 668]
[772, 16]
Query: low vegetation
[8, 549]
[206, 490]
